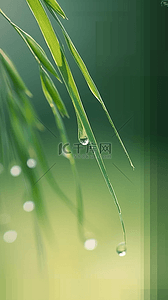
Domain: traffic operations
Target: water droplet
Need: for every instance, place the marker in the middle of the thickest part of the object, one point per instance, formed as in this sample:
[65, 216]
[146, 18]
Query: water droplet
[15, 171]
[82, 136]
[10, 236]
[90, 244]
[31, 163]
[28, 206]
[164, 3]
[84, 141]
[121, 249]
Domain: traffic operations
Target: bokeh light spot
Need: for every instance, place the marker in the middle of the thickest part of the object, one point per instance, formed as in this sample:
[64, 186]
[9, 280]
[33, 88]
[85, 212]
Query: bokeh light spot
[10, 236]
[90, 244]
[15, 171]
[28, 206]
[31, 163]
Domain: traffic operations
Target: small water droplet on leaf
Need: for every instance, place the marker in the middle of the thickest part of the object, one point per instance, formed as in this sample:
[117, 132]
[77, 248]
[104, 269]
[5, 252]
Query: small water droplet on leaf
[84, 141]
[121, 249]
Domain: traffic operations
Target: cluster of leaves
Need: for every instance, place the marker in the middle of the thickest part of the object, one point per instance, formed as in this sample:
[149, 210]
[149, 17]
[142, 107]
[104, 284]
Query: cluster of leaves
[22, 131]
[51, 93]
[19, 138]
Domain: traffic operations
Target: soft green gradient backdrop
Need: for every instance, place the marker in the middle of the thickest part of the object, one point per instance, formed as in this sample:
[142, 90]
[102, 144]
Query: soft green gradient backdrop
[109, 37]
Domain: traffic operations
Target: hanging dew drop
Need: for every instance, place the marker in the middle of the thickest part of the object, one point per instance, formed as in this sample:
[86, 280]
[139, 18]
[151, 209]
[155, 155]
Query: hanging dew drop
[84, 141]
[121, 249]
[82, 136]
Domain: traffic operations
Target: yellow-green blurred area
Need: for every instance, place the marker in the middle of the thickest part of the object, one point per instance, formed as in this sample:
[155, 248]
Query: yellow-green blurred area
[51, 263]
[66, 270]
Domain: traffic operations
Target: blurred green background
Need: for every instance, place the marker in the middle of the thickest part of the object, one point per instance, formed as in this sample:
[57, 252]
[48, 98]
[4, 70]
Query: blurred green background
[109, 37]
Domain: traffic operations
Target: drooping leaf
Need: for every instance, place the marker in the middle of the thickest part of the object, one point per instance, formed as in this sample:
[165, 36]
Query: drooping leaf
[51, 88]
[23, 119]
[73, 92]
[64, 139]
[34, 47]
[4, 139]
[38, 51]
[66, 74]
[88, 79]
[48, 174]
[13, 73]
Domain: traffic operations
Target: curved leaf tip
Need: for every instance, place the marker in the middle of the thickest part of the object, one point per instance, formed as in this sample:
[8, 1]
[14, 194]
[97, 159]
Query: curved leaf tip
[52, 91]
[56, 7]
[13, 73]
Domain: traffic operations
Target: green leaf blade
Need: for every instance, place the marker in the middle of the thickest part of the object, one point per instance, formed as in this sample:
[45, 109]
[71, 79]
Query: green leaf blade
[46, 29]
[51, 88]
[13, 73]
[94, 90]
[89, 80]
[63, 135]
[74, 94]
[56, 7]
[38, 52]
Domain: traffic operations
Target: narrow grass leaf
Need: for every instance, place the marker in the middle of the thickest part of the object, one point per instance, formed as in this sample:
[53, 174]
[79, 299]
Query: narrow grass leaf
[27, 109]
[64, 139]
[17, 123]
[40, 246]
[51, 88]
[56, 7]
[79, 109]
[21, 146]
[23, 138]
[73, 92]
[46, 29]
[13, 73]
[48, 175]
[89, 80]
[4, 139]
[37, 51]
[65, 71]
[40, 154]
[34, 47]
